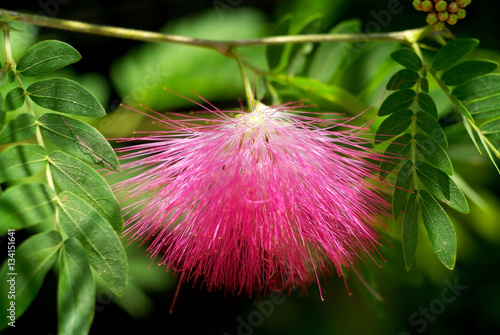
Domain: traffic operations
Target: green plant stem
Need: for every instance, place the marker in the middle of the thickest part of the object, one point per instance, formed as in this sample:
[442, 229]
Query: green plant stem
[246, 81]
[413, 148]
[10, 65]
[459, 107]
[225, 47]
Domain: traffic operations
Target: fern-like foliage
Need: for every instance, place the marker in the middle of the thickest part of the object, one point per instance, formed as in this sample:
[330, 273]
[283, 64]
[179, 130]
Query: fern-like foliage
[74, 200]
[418, 154]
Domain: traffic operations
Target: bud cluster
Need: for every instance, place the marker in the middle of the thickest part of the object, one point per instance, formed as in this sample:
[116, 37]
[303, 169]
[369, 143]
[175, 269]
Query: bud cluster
[441, 12]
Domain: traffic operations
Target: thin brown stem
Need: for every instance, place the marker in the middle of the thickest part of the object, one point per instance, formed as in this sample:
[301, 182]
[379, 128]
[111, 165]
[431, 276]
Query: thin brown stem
[224, 47]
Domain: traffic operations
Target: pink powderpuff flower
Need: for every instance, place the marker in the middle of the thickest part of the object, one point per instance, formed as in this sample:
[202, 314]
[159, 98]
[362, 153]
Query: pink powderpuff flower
[264, 200]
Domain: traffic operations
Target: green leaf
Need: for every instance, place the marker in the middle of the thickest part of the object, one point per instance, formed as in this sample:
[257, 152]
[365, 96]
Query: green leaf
[14, 99]
[21, 161]
[33, 259]
[79, 139]
[11, 76]
[333, 94]
[467, 70]
[75, 291]
[65, 96]
[452, 52]
[427, 104]
[465, 112]
[408, 58]
[394, 125]
[298, 52]
[442, 187]
[409, 233]
[18, 129]
[491, 127]
[478, 88]
[488, 151]
[329, 57]
[77, 177]
[402, 80]
[432, 128]
[274, 53]
[471, 133]
[102, 246]
[404, 182]
[397, 102]
[364, 66]
[26, 205]
[47, 56]
[394, 154]
[486, 108]
[433, 153]
[424, 85]
[439, 229]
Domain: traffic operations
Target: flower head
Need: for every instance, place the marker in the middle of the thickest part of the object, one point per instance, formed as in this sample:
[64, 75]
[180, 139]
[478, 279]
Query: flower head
[263, 200]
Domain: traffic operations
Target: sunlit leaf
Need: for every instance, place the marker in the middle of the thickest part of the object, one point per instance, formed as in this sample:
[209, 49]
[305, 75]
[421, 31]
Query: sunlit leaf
[331, 93]
[21, 161]
[298, 52]
[471, 133]
[26, 205]
[365, 65]
[465, 112]
[47, 56]
[2, 113]
[77, 177]
[467, 70]
[329, 57]
[79, 139]
[65, 96]
[478, 88]
[488, 151]
[18, 129]
[32, 260]
[274, 53]
[486, 108]
[102, 246]
[452, 52]
[439, 229]
[491, 127]
[75, 291]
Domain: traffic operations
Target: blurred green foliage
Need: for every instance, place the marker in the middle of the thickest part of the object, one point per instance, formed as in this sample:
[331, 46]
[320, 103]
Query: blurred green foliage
[138, 77]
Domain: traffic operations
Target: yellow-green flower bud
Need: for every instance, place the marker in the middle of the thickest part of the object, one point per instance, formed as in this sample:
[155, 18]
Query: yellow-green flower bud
[431, 18]
[452, 19]
[441, 6]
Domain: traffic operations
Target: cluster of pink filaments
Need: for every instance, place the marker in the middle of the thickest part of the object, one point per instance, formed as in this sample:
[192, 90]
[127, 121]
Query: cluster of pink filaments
[264, 200]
